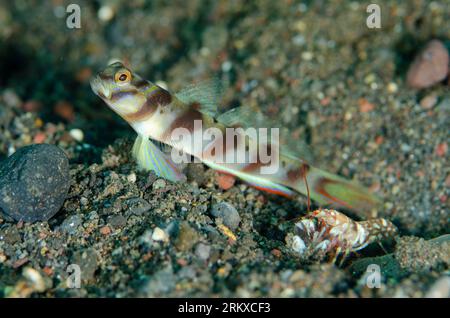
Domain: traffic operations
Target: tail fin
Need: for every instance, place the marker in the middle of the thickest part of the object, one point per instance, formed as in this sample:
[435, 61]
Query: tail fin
[327, 188]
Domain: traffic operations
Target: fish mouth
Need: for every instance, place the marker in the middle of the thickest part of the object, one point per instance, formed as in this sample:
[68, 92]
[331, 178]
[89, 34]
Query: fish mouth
[100, 89]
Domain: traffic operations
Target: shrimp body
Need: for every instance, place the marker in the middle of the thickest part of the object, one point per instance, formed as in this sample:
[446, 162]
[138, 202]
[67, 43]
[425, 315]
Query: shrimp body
[332, 232]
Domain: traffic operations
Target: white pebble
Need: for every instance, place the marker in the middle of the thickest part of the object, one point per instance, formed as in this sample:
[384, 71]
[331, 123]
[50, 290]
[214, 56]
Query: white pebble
[298, 40]
[11, 150]
[77, 134]
[159, 184]
[34, 278]
[307, 56]
[440, 289]
[392, 87]
[84, 201]
[226, 66]
[204, 51]
[159, 235]
[131, 177]
[370, 78]
[105, 13]
[59, 11]
[11, 99]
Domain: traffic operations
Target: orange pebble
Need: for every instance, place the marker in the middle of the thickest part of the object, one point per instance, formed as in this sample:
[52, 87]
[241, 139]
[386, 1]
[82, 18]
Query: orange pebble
[105, 230]
[379, 140]
[441, 149]
[65, 110]
[39, 138]
[365, 106]
[325, 101]
[429, 67]
[31, 106]
[48, 271]
[83, 74]
[182, 262]
[276, 252]
[225, 181]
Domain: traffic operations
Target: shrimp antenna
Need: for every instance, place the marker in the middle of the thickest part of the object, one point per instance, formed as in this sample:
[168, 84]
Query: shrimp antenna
[382, 247]
[307, 187]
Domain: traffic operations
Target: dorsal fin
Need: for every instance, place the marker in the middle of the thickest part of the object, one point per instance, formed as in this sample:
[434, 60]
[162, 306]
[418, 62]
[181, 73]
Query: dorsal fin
[243, 117]
[206, 94]
[247, 117]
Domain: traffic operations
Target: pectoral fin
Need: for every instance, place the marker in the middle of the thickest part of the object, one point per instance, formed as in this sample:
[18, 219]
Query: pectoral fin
[150, 157]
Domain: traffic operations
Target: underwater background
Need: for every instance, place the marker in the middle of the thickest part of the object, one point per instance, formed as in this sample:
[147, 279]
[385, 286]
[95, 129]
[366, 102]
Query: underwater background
[370, 104]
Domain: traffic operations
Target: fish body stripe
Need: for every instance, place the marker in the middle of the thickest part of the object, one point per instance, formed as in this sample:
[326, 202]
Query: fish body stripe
[156, 97]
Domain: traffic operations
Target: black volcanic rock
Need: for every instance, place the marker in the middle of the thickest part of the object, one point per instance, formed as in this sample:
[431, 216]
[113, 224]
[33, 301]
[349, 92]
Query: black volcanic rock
[34, 183]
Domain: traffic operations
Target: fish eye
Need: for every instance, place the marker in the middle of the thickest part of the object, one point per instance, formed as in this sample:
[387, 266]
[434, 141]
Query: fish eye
[122, 77]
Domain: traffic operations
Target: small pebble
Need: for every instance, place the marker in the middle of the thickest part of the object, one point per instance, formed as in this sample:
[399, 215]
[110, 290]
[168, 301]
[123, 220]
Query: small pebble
[3, 258]
[440, 289]
[159, 184]
[441, 149]
[11, 99]
[131, 178]
[35, 278]
[84, 201]
[225, 181]
[392, 88]
[105, 13]
[39, 138]
[307, 56]
[428, 101]
[429, 67]
[93, 215]
[11, 235]
[276, 252]
[105, 230]
[203, 251]
[365, 106]
[226, 66]
[31, 282]
[77, 134]
[117, 221]
[227, 213]
[159, 235]
[71, 224]
[31, 106]
[370, 78]
[187, 237]
[84, 74]
[65, 110]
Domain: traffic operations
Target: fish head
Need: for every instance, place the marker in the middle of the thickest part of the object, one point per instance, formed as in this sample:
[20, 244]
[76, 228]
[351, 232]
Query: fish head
[121, 89]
